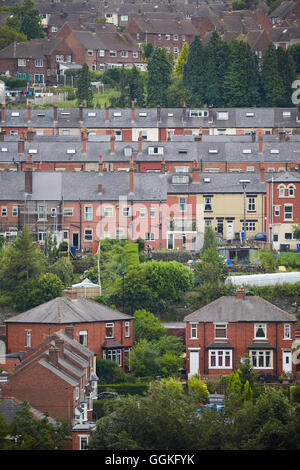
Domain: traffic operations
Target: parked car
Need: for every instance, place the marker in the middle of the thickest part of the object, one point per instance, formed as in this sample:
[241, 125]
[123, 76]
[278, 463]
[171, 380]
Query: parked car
[108, 396]
[217, 406]
[259, 237]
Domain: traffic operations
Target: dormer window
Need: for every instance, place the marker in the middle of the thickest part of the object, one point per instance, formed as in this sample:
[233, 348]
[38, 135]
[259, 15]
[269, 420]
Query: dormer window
[156, 151]
[222, 116]
[180, 179]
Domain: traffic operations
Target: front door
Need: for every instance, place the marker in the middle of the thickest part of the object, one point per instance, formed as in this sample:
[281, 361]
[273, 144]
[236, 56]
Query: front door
[170, 241]
[229, 231]
[76, 239]
[194, 362]
[287, 361]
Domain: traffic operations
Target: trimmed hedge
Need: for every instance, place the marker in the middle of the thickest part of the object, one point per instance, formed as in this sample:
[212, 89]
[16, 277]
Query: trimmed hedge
[125, 388]
[176, 255]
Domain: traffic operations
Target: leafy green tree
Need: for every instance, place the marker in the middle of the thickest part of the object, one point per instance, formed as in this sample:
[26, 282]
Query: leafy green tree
[84, 89]
[177, 94]
[108, 371]
[193, 76]
[287, 72]
[63, 268]
[136, 87]
[132, 254]
[37, 291]
[145, 359]
[159, 78]
[26, 19]
[244, 4]
[147, 326]
[210, 240]
[211, 267]
[217, 52]
[37, 434]
[181, 60]
[147, 50]
[294, 52]
[170, 364]
[197, 389]
[272, 82]
[9, 35]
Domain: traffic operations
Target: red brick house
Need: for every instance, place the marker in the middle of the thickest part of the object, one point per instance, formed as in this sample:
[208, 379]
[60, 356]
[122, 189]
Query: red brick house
[64, 385]
[106, 332]
[220, 334]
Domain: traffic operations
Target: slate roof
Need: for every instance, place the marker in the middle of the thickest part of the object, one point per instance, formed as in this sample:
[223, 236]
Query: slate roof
[33, 49]
[231, 309]
[9, 407]
[64, 310]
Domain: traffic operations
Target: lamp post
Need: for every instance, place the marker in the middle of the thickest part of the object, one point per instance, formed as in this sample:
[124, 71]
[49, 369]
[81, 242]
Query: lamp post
[244, 184]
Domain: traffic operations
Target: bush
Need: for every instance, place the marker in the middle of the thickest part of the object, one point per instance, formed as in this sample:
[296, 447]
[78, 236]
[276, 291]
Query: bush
[126, 388]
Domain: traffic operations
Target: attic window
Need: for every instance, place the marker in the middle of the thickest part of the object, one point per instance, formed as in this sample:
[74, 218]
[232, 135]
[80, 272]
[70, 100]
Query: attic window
[143, 114]
[156, 151]
[117, 114]
[65, 114]
[71, 151]
[4, 149]
[182, 151]
[32, 151]
[274, 151]
[15, 114]
[170, 114]
[247, 151]
[249, 114]
[180, 179]
[127, 151]
[198, 113]
[222, 116]
[286, 114]
[41, 115]
[91, 114]
[206, 180]
[212, 151]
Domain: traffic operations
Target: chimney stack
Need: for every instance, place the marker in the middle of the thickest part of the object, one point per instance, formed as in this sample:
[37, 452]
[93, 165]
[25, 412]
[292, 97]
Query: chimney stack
[99, 189]
[112, 142]
[260, 142]
[140, 139]
[210, 113]
[84, 136]
[80, 113]
[30, 136]
[281, 136]
[28, 175]
[106, 112]
[132, 111]
[262, 172]
[184, 112]
[55, 113]
[69, 331]
[3, 112]
[253, 135]
[21, 146]
[163, 166]
[158, 113]
[53, 355]
[131, 176]
[100, 164]
[196, 172]
[59, 344]
[240, 293]
[29, 106]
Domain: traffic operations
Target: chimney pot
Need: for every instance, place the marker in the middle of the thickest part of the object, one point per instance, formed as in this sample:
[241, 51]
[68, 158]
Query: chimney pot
[106, 112]
[21, 146]
[53, 355]
[240, 293]
[99, 188]
[112, 142]
[29, 106]
[132, 112]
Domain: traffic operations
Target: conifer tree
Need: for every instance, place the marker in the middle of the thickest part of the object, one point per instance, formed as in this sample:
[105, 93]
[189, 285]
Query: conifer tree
[159, 78]
[182, 60]
[136, 87]
[272, 83]
[84, 90]
[217, 65]
[194, 72]
[287, 72]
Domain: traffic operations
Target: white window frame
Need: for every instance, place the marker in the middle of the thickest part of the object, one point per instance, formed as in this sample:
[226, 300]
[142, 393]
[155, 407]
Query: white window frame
[194, 327]
[208, 204]
[101, 52]
[264, 354]
[219, 354]
[124, 54]
[287, 331]
[276, 211]
[219, 327]
[127, 329]
[42, 212]
[68, 212]
[21, 62]
[251, 204]
[152, 212]
[135, 54]
[149, 236]
[90, 52]
[182, 204]
[281, 191]
[291, 190]
[112, 326]
[88, 234]
[39, 62]
[84, 439]
[28, 338]
[126, 212]
[258, 326]
[289, 213]
[112, 53]
[3, 211]
[83, 337]
[15, 211]
[88, 212]
[108, 211]
[142, 211]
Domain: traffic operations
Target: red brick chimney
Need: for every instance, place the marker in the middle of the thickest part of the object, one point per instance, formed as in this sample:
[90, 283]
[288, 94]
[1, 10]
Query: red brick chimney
[59, 343]
[106, 112]
[131, 176]
[69, 331]
[132, 111]
[99, 189]
[30, 136]
[28, 175]
[140, 139]
[3, 112]
[260, 142]
[29, 106]
[196, 172]
[112, 142]
[281, 136]
[21, 146]
[262, 172]
[53, 355]
[240, 293]
[100, 164]
[163, 166]
[84, 136]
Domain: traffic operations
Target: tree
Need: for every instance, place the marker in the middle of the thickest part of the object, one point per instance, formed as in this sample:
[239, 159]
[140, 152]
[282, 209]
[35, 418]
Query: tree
[159, 78]
[182, 60]
[144, 359]
[217, 52]
[210, 240]
[36, 292]
[26, 19]
[63, 268]
[272, 83]
[136, 87]
[294, 52]
[147, 50]
[287, 72]
[84, 90]
[197, 389]
[108, 371]
[9, 35]
[147, 326]
[193, 76]
[211, 267]
[177, 94]
[20, 261]
[27, 432]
